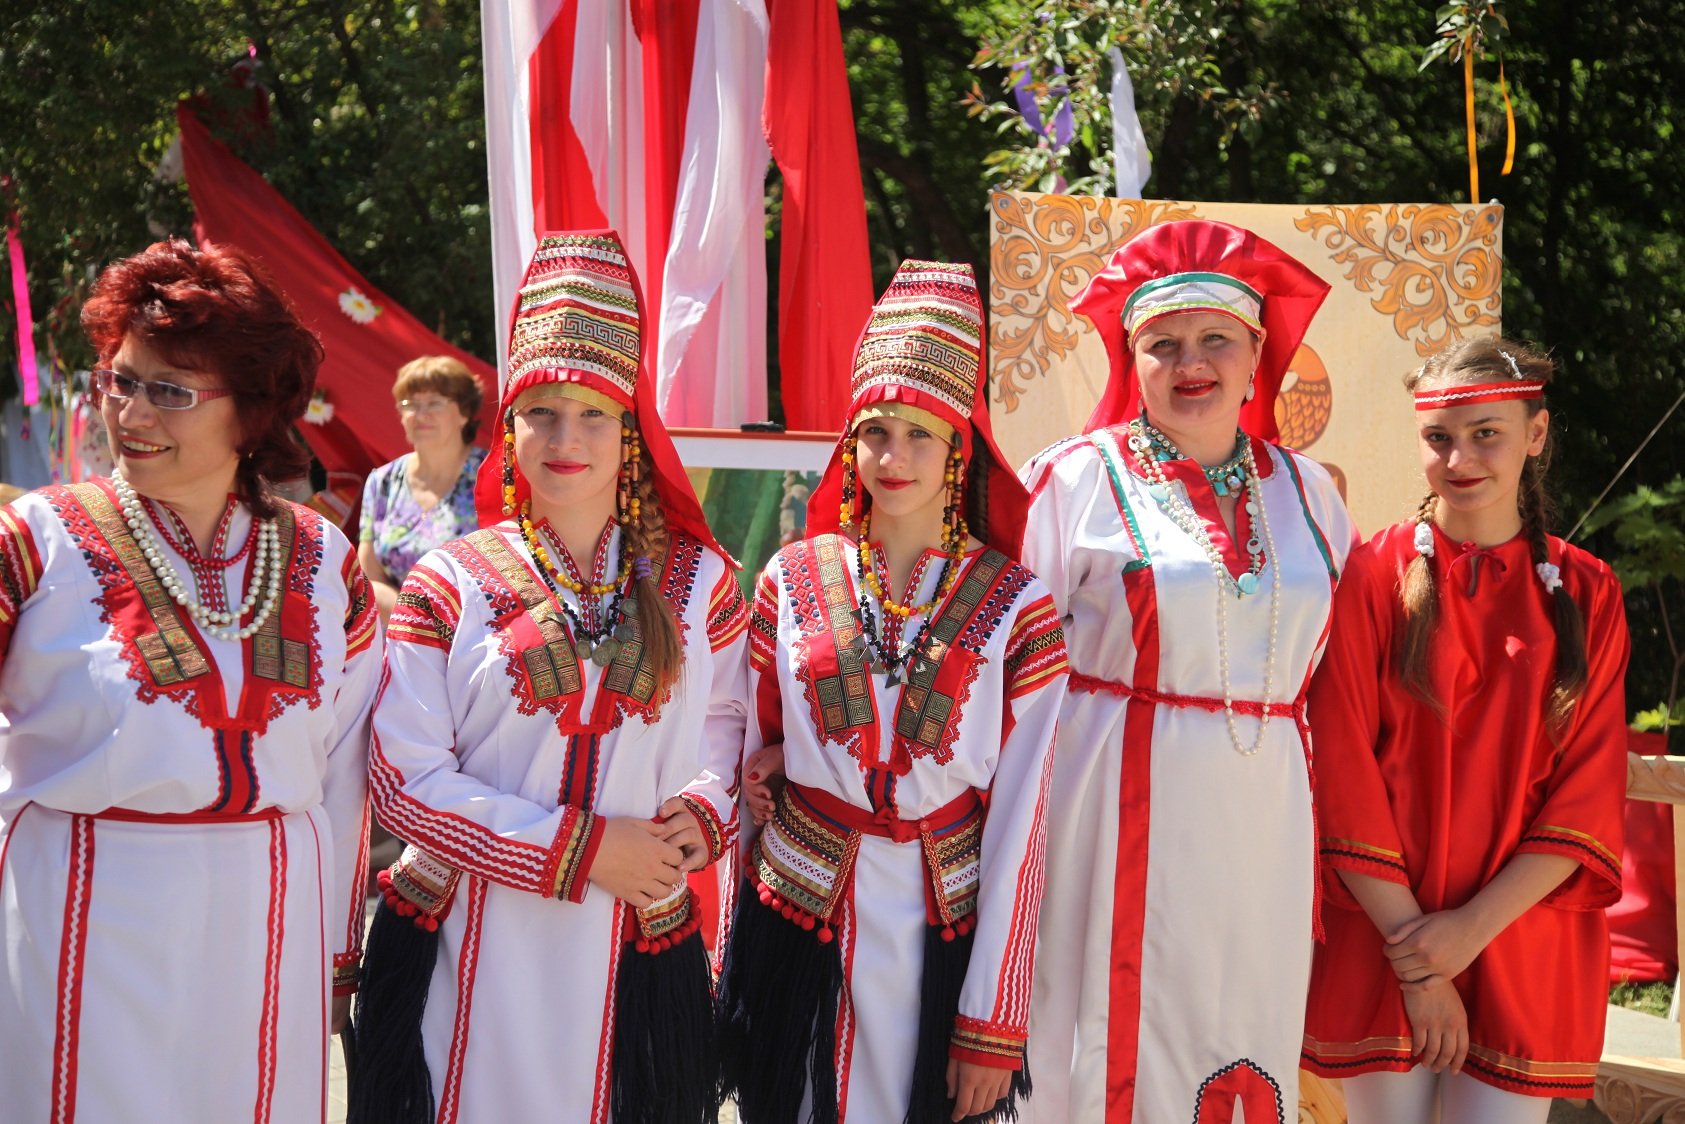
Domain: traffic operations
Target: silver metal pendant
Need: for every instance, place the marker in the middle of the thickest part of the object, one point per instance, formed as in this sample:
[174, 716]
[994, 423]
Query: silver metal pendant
[606, 650]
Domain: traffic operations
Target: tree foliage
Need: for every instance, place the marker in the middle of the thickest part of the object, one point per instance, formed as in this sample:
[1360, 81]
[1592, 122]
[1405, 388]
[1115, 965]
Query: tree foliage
[365, 114]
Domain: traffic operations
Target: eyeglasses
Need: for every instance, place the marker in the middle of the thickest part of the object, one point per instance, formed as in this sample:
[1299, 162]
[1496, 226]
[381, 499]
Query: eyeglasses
[422, 405]
[163, 395]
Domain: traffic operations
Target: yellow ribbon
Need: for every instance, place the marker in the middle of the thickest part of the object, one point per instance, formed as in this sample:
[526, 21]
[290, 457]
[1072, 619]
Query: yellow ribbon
[1468, 106]
[1509, 120]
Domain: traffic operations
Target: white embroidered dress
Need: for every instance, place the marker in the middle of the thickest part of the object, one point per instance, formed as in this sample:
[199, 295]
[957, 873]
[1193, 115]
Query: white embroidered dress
[1003, 677]
[1177, 923]
[497, 752]
[184, 823]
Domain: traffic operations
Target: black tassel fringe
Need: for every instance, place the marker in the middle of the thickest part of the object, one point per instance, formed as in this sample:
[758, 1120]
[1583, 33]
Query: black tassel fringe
[945, 964]
[779, 989]
[665, 1063]
[389, 1083]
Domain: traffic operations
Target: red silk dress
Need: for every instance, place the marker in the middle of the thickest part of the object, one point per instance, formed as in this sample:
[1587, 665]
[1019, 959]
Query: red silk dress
[1442, 805]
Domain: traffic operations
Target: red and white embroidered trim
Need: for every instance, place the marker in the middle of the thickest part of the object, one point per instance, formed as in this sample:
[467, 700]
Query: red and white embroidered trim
[1509, 391]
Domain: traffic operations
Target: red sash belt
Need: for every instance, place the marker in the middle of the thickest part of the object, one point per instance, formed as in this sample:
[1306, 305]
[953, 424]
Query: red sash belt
[129, 815]
[1251, 707]
[881, 823]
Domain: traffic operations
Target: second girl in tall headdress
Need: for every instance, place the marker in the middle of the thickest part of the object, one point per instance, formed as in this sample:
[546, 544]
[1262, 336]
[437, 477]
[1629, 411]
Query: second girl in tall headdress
[558, 738]
[880, 963]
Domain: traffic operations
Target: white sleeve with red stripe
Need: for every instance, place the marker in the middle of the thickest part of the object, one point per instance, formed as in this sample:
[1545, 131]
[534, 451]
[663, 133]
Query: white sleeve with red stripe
[712, 795]
[994, 1009]
[345, 789]
[420, 793]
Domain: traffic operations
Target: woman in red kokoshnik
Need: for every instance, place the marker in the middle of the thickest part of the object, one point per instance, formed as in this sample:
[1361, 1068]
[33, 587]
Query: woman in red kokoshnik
[186, 667]
[1195, 560]
[881, 956]
[1471, 771]
[557, 737]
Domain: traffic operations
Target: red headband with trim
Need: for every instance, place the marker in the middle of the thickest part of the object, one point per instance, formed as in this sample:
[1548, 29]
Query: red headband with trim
[1509, 391]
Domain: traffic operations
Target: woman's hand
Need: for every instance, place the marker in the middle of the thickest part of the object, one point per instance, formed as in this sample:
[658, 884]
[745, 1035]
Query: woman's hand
[684, 831]
[975, 1088]
[1439, 1026]
[763, 780]
[635, 863]
[1435, 944]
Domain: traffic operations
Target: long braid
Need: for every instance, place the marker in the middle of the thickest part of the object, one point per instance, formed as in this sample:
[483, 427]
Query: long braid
[977, 493]
[646, 536]
[1571, 670]
[1420, 597]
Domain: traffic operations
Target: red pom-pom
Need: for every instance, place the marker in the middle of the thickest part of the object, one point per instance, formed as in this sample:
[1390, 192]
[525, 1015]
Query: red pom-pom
[664, 944]
[430, 923]
[825, 934]
[789, 911]
[641, 945]
[809, 921]
[947, 932]
[766, 895]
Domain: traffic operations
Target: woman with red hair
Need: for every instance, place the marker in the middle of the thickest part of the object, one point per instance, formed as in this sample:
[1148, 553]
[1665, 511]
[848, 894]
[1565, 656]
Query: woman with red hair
[186, 668]
[1194, 562]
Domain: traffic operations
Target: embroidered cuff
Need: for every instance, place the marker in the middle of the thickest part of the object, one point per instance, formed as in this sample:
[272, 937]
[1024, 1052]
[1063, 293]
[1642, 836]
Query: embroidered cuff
[346, 969]
[714, 833]
[1365, 858]
[576, 846]
[986, 1043]
[1597, 882]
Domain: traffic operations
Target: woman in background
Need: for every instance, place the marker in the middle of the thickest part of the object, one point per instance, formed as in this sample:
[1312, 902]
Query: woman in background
[424, 499]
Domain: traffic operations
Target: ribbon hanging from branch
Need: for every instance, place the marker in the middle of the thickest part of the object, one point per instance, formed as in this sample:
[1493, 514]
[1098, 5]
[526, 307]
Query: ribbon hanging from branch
[26, 321]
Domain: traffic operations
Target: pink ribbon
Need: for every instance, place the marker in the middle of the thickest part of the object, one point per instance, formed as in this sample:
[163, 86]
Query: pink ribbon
[26, 322]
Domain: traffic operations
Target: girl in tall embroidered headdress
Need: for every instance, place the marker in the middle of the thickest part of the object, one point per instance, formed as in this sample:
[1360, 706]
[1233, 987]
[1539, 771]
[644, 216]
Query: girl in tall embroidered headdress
[558, 739]
[1195, 563]
[880, 960]
[1471, 771]
[186, 667]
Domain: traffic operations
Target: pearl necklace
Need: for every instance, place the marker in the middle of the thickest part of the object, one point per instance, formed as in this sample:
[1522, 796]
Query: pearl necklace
[263, 593]
[1182, 514]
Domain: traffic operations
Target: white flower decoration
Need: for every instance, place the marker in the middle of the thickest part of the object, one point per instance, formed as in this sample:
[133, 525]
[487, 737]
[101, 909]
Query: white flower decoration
[1550, 575]
[320, 410]
[360, 308]
[1424, 539]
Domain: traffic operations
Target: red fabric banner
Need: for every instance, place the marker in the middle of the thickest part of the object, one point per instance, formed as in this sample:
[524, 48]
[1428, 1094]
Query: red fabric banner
[367, 336]
[824, 272]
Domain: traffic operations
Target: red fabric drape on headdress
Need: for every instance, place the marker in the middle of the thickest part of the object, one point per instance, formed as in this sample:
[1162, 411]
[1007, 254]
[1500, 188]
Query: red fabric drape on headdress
[1292, 294]
[679, 504]
[1008, 502]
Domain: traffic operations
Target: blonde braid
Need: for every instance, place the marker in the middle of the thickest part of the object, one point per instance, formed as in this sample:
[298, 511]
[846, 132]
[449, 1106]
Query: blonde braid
[1420, 598]
[647, 537]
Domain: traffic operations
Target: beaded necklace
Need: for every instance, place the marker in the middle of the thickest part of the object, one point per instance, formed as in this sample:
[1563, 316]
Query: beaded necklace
[599, 644]
[263, 593]
[1142, 439]
[880, 652]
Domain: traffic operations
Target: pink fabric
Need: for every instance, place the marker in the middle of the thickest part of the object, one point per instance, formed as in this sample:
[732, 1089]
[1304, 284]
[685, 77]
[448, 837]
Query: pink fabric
[824, 273]
[236, 206]
[1642, 942]
[26, 320]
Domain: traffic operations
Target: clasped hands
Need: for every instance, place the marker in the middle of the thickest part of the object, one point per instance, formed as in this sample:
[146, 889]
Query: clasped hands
[1426, 954]
[644, 861]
